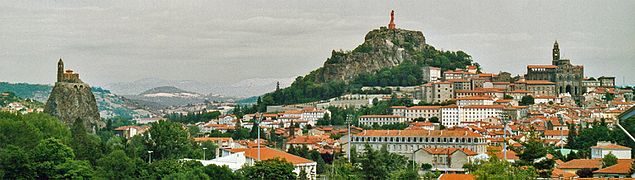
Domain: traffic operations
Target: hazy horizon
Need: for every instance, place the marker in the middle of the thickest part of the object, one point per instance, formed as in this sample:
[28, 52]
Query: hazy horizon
[230, 41]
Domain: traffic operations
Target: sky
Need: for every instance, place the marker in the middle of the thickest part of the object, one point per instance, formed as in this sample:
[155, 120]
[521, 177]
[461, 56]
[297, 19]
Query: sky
[229, 41]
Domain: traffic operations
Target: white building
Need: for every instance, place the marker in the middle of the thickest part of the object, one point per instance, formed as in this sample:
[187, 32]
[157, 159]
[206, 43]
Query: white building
[233, 157]
[454, 115]
[475, 100]
[406, 142]
[604, 148]
[414, 112]
[370, 120]
[431, 74]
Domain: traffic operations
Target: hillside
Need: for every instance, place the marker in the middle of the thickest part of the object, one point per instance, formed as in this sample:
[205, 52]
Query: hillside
[387, 57]
[109, 105]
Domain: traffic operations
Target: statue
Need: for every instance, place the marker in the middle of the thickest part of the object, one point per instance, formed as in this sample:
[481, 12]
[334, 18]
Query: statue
[392, 20]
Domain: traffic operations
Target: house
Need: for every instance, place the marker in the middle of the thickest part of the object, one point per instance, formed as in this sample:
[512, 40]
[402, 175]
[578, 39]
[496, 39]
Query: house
[577, 164]
[251, 155]
[620, 170]
[130, 131]
[445, 159]
[603, 148]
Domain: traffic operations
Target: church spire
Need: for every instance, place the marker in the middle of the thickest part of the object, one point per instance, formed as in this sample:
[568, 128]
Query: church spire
[555, 53]
[60, 70]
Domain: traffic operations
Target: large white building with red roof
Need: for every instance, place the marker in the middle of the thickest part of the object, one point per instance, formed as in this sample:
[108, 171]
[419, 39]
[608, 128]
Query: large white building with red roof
[405, 142]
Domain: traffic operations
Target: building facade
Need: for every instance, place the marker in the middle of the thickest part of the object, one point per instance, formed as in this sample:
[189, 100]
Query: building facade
[406, 142]
[566, 76]
[370, 120]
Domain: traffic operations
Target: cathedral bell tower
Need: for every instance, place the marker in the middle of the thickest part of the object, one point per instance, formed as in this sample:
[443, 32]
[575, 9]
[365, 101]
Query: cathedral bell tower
[60, 70]
[555, 54]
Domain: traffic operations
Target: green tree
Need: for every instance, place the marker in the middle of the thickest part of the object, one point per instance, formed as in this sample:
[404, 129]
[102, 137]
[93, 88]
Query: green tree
[74, 169]
[407, 173]
[220, 172]
[210, 149]
[85, 146]
[495, 168]
[526, 100]
[508, 97]
[16, 163]
[434, 120]
[168, 140]
[317, 157]
[585, 173]
[609, 160]
[341, 169]
[117, 165]
[16, 131]
[48, 155]
[269, 169]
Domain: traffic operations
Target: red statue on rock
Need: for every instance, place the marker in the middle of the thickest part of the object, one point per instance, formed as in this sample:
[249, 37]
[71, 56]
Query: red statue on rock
[392, 20]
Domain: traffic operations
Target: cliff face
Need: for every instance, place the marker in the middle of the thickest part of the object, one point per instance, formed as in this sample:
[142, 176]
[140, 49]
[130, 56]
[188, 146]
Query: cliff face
[381, 48]
[70, 101]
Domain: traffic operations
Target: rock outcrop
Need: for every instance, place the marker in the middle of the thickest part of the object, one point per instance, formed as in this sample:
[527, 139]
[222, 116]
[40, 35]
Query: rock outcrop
[71, 101]
[382, 48]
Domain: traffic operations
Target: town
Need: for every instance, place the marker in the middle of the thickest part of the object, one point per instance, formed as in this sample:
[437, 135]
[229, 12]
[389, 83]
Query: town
[447, 121]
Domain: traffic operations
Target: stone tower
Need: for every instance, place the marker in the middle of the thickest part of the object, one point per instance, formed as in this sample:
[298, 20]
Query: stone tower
[60, 70]
[555, 54]
[392, 25]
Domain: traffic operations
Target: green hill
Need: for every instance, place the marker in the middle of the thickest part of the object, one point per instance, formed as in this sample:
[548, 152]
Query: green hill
[386, 58]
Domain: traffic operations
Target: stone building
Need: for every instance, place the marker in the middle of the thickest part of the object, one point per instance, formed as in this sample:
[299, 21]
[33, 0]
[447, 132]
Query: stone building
[438, 92]
[407, 142]
[566, 76]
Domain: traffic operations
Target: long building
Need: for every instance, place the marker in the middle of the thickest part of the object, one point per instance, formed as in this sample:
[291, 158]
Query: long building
[370, 120]
[406, 142]
[454, 115]
[414, 112]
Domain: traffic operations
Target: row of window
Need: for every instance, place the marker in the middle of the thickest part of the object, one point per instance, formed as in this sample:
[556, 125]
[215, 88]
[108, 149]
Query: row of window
[417, 139]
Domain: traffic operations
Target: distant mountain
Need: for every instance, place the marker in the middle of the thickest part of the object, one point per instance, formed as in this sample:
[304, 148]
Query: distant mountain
[108, 104]
[241, 89]
[164, 96]
[169, 91]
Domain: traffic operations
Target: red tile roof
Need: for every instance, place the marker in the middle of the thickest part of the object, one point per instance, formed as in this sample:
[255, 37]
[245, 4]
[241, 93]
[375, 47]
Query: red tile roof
[581, 164]
[269, 153]
[456, 177]
[623, 166]
[611, 146]
[546, 66]
[449, 151]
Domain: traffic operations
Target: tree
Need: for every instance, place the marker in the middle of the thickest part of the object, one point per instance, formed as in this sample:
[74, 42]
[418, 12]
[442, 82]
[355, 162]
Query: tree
[168, 140]
[526, 100]
[269, 169]
[426, 166]
[585, 173]
[609, 160]
[16, 163]
[48, 155]
[434, 119]
[74, 169]
[117, 165]
[407, 173]
[508, 97]
[317, 157]
[343, 170]
[495, 168]
[85, 146]
[210, 149]
[220, 172]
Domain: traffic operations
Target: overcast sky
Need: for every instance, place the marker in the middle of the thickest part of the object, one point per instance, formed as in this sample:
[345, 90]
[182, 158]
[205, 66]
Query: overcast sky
[228, 41]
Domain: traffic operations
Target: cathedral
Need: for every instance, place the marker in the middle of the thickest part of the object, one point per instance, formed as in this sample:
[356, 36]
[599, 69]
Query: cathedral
[566, 76]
